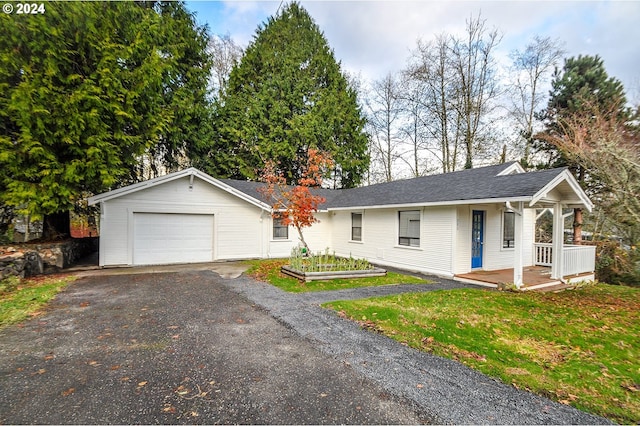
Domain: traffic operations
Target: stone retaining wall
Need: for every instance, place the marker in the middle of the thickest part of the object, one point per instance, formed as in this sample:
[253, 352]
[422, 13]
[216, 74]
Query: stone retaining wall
[25, 260]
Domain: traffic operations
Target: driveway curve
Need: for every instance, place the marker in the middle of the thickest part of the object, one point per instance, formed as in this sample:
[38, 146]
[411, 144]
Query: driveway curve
[192, 347]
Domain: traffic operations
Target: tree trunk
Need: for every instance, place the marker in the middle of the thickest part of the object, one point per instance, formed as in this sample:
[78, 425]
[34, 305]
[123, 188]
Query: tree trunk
[304, 243]
[577, 226]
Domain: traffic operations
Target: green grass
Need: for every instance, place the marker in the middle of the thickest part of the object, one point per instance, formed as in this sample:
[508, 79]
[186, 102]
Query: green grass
[578, 347]
[24, 298]
[269, 271]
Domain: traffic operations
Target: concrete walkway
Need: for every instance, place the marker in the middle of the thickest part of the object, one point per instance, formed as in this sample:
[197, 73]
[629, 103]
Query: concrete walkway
[226, 270]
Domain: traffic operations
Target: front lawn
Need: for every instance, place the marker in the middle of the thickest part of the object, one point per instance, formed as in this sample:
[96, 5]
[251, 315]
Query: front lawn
[24, 298]
[269, 271]
[578, 347]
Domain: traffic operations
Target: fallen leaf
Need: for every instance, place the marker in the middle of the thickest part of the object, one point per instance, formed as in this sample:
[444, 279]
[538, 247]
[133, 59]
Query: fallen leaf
[124, 379]
[68, 392]
[419, 385]
[635, 387]
[84, 304]
[141, 384]
[42, 371]
[173, 327]
[175, 336]
[94, 363]
[323, 395]
[169, 409]
[115, 367]
[49, 357]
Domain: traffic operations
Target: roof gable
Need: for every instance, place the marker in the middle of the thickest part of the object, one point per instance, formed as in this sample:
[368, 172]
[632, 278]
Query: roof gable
[191, 173]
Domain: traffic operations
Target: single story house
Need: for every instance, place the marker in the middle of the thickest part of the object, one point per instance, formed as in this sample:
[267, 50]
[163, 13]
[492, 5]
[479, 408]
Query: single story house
[450, 224]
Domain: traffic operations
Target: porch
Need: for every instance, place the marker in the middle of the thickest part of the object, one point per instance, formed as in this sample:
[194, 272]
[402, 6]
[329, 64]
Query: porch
[578, 264]
[534, 278]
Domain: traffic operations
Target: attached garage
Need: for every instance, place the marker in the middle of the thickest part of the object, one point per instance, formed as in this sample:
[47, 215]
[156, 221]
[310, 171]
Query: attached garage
[163, 238]
[183, 217]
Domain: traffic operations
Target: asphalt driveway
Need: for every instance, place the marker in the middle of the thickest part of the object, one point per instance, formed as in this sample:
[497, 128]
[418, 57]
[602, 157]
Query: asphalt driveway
[176, 348]
[192, 347]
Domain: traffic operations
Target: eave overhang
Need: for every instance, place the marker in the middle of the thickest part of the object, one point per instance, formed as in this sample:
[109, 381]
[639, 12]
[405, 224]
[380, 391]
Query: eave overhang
[573, 196]
[191, 173]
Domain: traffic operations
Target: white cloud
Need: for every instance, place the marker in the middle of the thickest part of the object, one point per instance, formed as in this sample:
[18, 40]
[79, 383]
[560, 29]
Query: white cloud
[375, 37]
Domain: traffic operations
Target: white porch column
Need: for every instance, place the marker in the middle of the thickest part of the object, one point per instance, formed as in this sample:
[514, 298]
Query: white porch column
[558, 242]
[517, 249]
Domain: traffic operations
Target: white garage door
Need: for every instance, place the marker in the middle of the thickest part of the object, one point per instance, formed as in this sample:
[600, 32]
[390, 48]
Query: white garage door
[160, 238]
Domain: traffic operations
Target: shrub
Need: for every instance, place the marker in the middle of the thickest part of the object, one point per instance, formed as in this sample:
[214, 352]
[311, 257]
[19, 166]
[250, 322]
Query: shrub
[615, 265]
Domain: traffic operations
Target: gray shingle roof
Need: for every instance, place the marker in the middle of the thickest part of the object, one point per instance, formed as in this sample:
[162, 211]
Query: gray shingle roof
[253, 190]
[473, 184]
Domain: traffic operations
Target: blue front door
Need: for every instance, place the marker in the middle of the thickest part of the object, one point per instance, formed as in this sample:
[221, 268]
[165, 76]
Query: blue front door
[477, 238]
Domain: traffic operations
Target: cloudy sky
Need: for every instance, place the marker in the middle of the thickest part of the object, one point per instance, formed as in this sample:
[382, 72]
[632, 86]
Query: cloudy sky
[372, 38]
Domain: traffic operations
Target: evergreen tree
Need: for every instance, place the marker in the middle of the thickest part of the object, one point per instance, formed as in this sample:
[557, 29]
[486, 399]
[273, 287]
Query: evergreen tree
[583, 86]
[287, 95]
[86, 89]
[185, 86]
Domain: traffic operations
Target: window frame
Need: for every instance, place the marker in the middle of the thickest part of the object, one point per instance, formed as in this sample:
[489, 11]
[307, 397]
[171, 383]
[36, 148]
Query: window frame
[510, 243]
[353, 237]
[408, 240]
[278, 225]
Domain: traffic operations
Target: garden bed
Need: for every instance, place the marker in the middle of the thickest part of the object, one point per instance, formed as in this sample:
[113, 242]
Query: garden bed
[331, 273]
[325, 266]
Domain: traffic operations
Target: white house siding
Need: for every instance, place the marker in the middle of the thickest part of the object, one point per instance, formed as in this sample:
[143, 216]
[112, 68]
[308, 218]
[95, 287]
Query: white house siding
[238, 230]
[318, 237]
[462, 261]
[494, 256]
[380, 239]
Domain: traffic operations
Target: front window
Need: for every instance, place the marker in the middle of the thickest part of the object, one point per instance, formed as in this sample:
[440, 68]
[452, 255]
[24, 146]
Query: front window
[356, 226]
[409, 228]
[508, 230]
[280, 230]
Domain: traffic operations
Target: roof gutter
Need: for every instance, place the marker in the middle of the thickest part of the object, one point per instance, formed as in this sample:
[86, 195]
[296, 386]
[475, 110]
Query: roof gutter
[434, 203]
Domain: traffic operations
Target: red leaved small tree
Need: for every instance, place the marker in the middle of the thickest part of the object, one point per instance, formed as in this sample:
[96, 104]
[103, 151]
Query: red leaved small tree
[296, 204]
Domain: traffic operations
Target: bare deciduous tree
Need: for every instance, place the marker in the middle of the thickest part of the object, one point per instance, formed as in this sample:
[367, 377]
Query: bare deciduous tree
[429, 68]
[226, 53]
[531, 69]
[384, 110]
[475, 71]
[413, 131]
[460, 91]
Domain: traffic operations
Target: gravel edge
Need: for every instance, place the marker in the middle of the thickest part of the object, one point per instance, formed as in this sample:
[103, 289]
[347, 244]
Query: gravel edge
[445, 390]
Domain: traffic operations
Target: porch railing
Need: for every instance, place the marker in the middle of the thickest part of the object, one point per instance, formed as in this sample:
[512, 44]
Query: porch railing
[575, 259]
